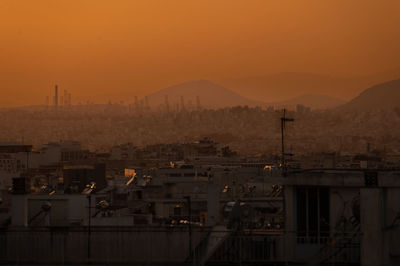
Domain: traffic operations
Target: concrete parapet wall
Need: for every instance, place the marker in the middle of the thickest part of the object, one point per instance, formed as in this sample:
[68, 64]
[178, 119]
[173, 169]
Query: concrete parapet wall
[107, 246]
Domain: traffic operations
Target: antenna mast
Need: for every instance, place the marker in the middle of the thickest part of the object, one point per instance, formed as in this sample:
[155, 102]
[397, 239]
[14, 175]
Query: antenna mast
[284, 119]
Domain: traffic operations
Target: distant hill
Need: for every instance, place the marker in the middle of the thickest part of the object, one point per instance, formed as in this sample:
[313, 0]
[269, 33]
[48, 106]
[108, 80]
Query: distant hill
[381, 96]
[315, 101]
[282, 86]
[211, 95]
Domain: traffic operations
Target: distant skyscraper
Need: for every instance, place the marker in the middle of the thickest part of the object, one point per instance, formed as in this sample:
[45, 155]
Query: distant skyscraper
[56, 97]
[198, 106]
[69, 99]
[146, 99]
[182, 103]
[166, 103]
[136, 104]
[65, 102]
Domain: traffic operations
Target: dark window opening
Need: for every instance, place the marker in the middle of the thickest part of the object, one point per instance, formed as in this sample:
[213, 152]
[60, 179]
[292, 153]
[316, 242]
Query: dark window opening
[139, 194]
[312, 214]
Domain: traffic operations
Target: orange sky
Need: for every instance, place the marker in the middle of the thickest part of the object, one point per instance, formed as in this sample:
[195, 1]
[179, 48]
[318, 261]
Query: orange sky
[95, 47]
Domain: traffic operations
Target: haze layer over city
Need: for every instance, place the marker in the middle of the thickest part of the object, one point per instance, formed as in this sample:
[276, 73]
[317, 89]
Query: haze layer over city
[132, 58]
[100, 51]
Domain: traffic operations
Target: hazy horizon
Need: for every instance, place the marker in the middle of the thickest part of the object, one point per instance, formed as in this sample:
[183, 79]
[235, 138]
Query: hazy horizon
[99, 50]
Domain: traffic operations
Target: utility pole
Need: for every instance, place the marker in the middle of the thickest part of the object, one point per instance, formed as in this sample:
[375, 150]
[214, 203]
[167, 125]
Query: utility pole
[189, 201]
[88, 191]
[56, 97]
[89, 225]
[284, 119]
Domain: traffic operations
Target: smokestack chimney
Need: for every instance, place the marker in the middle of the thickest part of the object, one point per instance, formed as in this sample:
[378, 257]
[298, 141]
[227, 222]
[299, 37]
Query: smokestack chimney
[182, 103]
[65, 102]
[56, 97]
[146, 100]
[69, 99]
[198, 103]
[166, 103]
[136, 104]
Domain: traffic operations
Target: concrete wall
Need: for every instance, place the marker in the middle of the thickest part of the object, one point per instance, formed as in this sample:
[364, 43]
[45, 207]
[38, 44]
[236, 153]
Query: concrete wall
[380, 225]
[108, 245]
[391, 198]
[371, 226]
[341, 201]
[73, 208]
[379, 209]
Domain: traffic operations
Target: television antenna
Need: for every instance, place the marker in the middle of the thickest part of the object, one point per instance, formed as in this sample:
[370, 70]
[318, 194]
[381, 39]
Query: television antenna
[284, 120]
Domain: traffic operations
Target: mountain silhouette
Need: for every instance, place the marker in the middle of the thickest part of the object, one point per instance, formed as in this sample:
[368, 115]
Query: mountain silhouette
[381, 96]
[315, 101]
[286, 85]
[210, 95]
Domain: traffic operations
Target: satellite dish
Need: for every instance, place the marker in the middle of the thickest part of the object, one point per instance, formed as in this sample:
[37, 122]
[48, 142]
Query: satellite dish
[103, 204]
[89, 188]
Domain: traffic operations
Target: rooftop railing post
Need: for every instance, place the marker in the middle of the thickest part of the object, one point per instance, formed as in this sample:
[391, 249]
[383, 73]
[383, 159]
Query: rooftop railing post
[89, 225]
[190, 225]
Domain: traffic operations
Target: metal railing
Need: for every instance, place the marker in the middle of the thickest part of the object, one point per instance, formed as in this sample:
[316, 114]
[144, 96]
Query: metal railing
[133, 245]
[237, 249]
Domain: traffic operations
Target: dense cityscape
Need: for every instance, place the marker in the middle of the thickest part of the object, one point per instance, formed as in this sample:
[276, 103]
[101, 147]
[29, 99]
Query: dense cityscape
[248, 130]
[211, 178]
[199, 133]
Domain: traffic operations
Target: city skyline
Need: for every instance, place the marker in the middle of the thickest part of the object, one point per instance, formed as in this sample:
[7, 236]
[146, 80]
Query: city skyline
[96, 49]
[202, 133]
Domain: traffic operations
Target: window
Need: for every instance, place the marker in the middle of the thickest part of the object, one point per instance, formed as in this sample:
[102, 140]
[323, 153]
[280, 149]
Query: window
[312, 212]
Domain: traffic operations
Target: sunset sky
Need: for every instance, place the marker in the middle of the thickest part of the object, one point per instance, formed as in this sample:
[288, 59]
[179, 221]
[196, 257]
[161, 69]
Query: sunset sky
[99, 48]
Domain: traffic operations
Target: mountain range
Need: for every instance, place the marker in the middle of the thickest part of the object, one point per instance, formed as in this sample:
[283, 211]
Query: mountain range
[314, 101]
[287, 85]
[381, 96]
[212, 95]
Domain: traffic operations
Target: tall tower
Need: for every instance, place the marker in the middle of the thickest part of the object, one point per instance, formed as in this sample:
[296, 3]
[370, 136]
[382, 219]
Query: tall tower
[284, 120]
[69, 99]
[136, 104]
[56, 96]
[198, 105]
[166, 104]
[182, 103]
[65, 102]
[147, 105]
